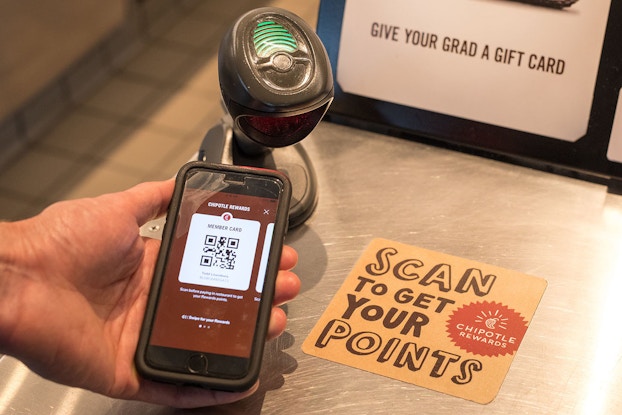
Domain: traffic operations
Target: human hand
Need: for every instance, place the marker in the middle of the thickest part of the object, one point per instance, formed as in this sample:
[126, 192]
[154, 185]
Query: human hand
[74, 283]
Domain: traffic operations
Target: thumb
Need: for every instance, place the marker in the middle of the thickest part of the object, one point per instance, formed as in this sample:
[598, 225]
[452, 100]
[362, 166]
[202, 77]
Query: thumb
[149, 200]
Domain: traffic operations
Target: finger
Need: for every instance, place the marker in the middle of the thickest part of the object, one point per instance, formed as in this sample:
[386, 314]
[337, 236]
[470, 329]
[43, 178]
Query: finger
[150, 200]
[187, 396]
[278, 322]
[287, 287]
[289, 258]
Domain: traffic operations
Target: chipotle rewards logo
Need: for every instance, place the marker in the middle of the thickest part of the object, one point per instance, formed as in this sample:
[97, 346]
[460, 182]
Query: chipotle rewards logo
[487, 329]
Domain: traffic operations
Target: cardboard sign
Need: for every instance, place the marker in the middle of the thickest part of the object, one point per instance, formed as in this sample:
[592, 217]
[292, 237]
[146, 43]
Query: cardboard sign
[429, 319]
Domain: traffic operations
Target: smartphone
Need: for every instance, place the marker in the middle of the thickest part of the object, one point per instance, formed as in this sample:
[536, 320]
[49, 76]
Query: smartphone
[211, 297]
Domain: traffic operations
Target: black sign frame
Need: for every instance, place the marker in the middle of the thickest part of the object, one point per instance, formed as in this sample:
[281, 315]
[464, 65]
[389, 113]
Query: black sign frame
[585, 159]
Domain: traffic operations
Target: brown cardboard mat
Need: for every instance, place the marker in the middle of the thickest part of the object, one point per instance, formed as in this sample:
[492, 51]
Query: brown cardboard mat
[438, 321]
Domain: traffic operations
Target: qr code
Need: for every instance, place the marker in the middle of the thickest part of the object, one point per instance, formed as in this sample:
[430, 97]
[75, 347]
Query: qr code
[220, 252]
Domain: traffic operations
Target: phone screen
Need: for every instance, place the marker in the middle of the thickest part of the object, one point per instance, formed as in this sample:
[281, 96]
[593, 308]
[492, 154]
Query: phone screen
[214, 276]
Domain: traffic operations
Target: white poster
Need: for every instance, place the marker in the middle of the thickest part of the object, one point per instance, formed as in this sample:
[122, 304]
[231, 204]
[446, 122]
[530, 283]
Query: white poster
[502, 62]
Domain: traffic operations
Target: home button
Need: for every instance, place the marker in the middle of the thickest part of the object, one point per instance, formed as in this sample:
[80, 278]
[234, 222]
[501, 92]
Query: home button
[197, 363]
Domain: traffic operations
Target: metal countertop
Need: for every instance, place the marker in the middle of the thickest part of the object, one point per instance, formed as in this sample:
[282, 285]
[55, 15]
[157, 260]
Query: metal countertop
[564, 230]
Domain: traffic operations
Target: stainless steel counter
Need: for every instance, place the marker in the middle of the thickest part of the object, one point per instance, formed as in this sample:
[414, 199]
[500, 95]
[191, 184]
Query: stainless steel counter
[564, 230]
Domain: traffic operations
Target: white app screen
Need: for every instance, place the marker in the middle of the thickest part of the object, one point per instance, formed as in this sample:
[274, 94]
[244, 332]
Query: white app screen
[264, 258]
[219, 251]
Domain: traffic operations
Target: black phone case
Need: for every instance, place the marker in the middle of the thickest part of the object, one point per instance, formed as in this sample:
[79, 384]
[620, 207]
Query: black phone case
[263, 319]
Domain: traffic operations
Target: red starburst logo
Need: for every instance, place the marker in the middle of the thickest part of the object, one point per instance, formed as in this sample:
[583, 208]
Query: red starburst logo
[487, 328]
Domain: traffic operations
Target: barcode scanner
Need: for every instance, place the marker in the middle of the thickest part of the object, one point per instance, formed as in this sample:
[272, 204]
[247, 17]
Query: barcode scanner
[276, 84]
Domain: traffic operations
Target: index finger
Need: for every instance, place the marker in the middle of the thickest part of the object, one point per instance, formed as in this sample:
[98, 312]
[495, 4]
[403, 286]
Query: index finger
[289, 258]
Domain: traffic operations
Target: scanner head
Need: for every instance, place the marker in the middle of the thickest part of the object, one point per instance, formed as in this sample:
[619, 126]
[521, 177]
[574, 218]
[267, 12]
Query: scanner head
[275, 77]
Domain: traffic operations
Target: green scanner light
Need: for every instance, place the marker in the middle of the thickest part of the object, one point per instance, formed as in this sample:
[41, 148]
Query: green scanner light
[270, 37]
